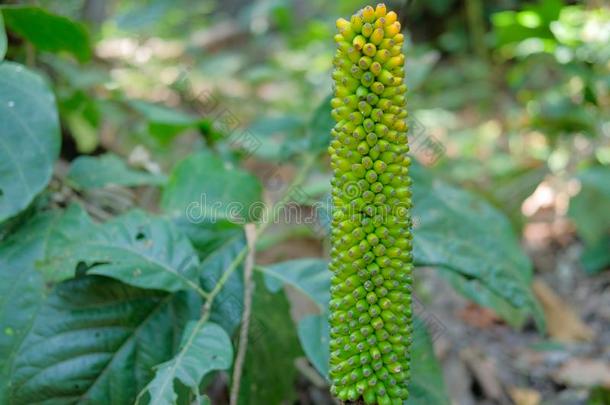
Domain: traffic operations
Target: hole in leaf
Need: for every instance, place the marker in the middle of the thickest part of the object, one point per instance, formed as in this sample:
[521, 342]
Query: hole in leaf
[1, 192]
[140, 236]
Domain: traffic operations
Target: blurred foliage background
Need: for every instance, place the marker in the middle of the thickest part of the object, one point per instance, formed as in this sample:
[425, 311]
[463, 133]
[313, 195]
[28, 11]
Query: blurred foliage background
[509, 100]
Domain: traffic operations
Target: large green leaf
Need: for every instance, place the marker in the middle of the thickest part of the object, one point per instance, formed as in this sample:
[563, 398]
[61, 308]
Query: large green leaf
[476, 291]
[205, 347]
[136, 248]
[228, 305]
[48, 32]
[22, 290]
[109, 169]
[457, 231]
[460, 232]
[203, 188]
[96, 341]
[311, 276]
[29, 137]
[272, 342]
[3, 40]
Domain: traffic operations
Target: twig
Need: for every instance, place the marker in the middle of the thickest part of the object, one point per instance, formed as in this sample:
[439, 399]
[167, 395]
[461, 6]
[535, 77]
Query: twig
[245, 323]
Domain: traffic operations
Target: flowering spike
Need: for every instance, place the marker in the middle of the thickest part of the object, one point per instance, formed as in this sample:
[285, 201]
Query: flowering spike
[371, 260]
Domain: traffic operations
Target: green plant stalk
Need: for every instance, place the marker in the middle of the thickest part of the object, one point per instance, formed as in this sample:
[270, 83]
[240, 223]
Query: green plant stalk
[371, 259]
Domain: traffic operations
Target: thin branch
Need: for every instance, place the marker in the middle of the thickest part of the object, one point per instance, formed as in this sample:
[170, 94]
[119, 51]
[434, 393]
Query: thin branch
[245, 323]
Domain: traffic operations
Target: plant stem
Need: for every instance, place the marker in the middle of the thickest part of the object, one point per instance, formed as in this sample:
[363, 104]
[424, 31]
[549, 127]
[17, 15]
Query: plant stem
[297, 181]
[245, 323]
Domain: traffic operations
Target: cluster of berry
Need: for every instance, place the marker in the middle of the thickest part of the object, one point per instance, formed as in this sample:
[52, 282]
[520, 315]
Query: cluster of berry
[371, 259]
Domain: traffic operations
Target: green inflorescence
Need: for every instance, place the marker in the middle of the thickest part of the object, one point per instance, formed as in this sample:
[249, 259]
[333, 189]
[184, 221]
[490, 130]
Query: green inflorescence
[371, 259]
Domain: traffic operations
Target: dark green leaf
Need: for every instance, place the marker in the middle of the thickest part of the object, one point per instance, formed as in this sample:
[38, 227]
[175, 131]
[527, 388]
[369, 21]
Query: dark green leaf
[100, 171]
[203, 188]
[136, 248]
[314, 335]
[29, 137]
[319, 127]
[205, 347]
[48, 32]
[311, 276]
[96, 341]
[208, 236]
[458, 231]
[272, 342]
[22, 289]
[427, 385]
[228, 305]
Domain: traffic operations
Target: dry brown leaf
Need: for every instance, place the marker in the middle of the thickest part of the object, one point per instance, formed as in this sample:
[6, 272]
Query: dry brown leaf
[579, 372]
[479, 316]
[524, 396]
[562, 322]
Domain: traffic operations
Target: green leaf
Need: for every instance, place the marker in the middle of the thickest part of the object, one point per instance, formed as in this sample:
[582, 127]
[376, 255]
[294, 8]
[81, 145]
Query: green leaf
[589, 208]
[314, 335]
[48, 32]
[205, 347]
[228, 305]
[136, 248]
[22, 290]
[457, 231]
[109, 169]
[96, 341]
[163, 122]
[596, 257]
[311, 276]
[477, 292]
[203, 188]
[3, 40]
[427, 385]
[272, 342]
[208, 236]
[29, 137]
[83, 132]
[319, 127]
[279, 137]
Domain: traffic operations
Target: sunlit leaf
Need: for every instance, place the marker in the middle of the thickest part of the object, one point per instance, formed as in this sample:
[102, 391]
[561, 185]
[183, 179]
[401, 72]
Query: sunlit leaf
[47, 31]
